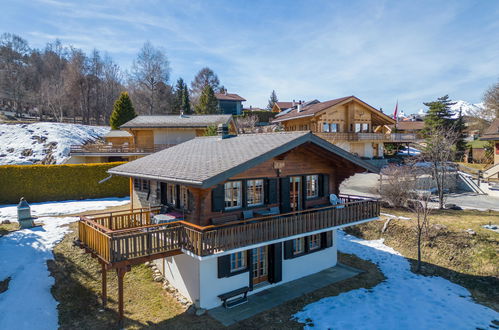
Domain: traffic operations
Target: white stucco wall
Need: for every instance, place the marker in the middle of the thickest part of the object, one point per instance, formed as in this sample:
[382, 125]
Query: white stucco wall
[173, 135]
[368, 150]
[182, 272]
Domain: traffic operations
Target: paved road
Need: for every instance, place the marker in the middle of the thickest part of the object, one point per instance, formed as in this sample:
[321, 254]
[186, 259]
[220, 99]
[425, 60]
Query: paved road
[367, 185]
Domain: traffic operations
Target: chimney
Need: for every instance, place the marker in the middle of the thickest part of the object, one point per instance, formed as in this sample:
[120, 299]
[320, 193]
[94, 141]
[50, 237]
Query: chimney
[225, 92]
[293, 104]
[299, 106]
[223, 131]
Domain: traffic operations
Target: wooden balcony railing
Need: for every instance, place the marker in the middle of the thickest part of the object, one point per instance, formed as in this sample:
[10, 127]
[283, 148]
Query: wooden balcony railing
[380, 137]
[116, 149]
[120, 237]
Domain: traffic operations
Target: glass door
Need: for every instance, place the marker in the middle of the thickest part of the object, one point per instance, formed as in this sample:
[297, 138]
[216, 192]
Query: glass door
[295, 193]
[260, 264]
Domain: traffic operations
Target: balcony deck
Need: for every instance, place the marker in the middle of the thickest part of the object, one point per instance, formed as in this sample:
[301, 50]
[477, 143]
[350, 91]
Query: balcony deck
[374, 137]
[129, 237]
[116, 150]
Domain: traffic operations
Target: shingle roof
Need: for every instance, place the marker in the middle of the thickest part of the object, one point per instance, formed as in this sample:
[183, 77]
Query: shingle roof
[284, 105]
[229, 97]
[177, 121]
[117, 133]
[410, 125]
[492, 132]
[206, 161]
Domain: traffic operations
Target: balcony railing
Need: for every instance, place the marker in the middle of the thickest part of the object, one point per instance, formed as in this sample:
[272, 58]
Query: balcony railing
[380, 137]
[116, 149]
[126, 236]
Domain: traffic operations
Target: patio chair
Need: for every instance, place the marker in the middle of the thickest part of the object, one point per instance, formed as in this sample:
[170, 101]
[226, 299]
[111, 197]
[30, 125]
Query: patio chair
[248, 214]
[275, 210]
[334, 200]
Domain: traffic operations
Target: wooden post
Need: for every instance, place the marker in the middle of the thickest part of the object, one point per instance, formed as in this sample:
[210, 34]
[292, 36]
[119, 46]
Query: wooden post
[121, 274]
[104, 284]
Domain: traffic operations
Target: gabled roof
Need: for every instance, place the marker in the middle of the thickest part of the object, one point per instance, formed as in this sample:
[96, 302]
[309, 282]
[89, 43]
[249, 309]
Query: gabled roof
[284, 105]
[177, 121]
[117, 133]
[492, 132]
[206, 161]
[316, 107]
[229, 97]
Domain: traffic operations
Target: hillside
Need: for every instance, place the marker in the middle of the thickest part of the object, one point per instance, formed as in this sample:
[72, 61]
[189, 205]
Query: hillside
[43, 143]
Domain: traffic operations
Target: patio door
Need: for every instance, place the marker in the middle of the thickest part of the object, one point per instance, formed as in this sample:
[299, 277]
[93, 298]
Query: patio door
[295, 193]
[260, 264]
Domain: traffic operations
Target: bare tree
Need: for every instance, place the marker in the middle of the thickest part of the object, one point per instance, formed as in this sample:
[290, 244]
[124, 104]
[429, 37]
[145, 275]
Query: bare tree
[420, 207]
[397, 183]
[491, 101]
[205, 76]
[246, 124]
[439, 153]
[150, 73]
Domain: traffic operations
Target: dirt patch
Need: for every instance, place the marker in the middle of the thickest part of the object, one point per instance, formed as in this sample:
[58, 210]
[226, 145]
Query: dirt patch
[8, 228]
[449, 250]
[77, 289]
[4, 285]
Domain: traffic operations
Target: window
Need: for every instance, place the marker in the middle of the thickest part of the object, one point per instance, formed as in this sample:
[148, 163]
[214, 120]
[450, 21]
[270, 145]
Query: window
[237, 261]
[299, 245]
[232, 194]
[141, 184]
[184, 197]
[171, 194]
[325, 127]
[358, 127]
[335, 128]
[312, 186]
[365, 127]
[314, 242]
[254, 192]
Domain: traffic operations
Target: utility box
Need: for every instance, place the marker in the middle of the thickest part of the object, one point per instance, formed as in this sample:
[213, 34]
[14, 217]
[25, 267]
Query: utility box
[24, 214]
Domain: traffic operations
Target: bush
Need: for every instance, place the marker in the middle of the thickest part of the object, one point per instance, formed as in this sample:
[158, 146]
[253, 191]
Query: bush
[40, 183]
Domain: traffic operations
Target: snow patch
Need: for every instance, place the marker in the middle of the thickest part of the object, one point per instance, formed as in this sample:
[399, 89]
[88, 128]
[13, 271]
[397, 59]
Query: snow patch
[405, 300]
[32, 143]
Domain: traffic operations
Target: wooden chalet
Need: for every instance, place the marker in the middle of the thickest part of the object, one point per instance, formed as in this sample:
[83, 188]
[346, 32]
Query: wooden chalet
[228, 216]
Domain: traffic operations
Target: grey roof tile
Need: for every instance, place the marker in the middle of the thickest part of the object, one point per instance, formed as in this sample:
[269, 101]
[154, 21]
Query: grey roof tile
[177, 121]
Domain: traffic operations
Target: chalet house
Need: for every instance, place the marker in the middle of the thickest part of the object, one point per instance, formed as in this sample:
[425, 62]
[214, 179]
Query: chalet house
[235, 215]
[492, 134]
[145, 135]
[347, 122]
[230, 104]
[282, 106]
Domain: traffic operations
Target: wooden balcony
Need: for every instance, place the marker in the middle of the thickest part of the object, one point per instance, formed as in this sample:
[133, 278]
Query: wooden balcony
[374, 137]
[104, 149]
[129, 237]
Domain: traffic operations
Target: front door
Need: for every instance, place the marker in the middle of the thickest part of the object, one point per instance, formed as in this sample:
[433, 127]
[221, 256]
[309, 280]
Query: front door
[295, 193]
[260, 264]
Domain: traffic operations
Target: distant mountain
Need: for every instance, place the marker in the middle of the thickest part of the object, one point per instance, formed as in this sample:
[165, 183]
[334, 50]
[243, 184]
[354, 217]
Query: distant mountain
[466, 107]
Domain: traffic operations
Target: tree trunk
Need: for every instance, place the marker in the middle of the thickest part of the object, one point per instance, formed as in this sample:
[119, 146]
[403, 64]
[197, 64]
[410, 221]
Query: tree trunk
[418, 267]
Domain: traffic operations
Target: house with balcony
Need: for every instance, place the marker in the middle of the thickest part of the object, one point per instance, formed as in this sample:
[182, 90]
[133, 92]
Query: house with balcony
[230, 103]
[347, 122]
[229, 216]
[145, 135]
[492, 134]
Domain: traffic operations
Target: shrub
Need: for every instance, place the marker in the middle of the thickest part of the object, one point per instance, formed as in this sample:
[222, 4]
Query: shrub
[40, 183]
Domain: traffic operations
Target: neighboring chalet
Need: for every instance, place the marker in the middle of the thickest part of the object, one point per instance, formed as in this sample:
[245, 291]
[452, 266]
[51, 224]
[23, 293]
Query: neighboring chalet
[240, 214]
[230, 104]
[492, 134]
[145, 135]
[347, 122]
[282, 106]
[410, 127]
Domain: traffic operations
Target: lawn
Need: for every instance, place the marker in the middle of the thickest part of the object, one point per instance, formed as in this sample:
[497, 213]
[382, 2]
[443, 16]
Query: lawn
[448, 251]
[147, 304]
[7, 228]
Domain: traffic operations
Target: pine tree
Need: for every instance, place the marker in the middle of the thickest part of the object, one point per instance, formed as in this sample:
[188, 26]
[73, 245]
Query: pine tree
[439, 115]
[178, 93]
[272, 100]
[459, 126]
[186, 102]
[123, 111]
[208, 103]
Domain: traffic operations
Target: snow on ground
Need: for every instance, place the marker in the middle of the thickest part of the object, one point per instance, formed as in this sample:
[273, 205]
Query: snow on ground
[404, 300]
[16, 141]
[9, 212]
[409, 152]
[28, 302]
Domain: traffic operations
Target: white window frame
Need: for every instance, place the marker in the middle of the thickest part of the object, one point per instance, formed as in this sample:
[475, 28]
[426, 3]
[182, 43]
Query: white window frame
[314, 242]
[251, 190]
[325, 128]
[238, 261]
[299, 246]
[230, 187]
[184, 197]
[171, 194]
[311, 185]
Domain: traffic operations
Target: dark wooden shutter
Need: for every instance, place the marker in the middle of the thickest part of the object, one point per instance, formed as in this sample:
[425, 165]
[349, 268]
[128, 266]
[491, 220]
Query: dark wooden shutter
[288, 249]
[223, 266]
[162, 186]
[271, 192]
[244, 193]
[177, 193]
[324, 185]
[218, 198]
[285, 205]
[249, 263]
[275, 263]
[326, 239]
[304, 192]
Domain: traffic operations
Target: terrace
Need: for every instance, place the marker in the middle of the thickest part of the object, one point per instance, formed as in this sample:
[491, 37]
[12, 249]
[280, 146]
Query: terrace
[129, 237]
[381, 137]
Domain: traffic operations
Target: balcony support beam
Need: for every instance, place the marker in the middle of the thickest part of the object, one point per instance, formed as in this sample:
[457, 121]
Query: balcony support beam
[104, 283]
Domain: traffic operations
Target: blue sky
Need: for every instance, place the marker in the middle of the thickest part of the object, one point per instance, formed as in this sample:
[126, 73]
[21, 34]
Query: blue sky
[379, 51]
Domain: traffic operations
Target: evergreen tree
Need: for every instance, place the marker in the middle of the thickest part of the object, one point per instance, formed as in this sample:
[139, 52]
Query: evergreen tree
[178, 93]
[186, 102]
[459, 126]
[208, 103]
[272, 100]
[439, 115]
[123, 111]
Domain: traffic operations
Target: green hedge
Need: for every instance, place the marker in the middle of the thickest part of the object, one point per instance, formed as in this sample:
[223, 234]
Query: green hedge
[40, 183]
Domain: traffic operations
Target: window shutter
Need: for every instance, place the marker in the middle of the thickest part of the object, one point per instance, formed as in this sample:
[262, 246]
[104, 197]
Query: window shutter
[304, 192]
[223, 266]
[177, 193]
[285, 205]
[288, 249]
[244, 193]
[275, 263]
[249, 263]
[271, 192]
[325, 184]
[217, 198]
